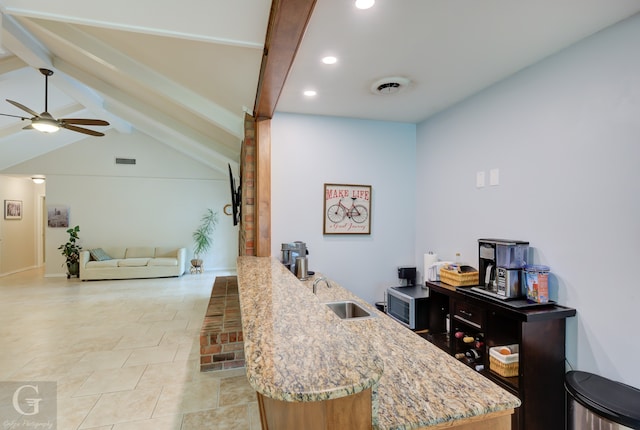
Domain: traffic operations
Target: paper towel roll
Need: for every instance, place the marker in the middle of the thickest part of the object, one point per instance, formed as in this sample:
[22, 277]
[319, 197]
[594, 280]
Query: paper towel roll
[429, 259]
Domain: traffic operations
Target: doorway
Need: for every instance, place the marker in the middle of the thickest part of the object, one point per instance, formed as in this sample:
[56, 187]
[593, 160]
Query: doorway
[41, 226]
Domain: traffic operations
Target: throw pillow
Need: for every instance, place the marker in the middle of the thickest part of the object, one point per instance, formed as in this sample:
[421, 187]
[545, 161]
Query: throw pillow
[98, 254]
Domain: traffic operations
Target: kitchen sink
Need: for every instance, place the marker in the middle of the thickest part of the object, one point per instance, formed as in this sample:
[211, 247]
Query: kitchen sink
[349, 310]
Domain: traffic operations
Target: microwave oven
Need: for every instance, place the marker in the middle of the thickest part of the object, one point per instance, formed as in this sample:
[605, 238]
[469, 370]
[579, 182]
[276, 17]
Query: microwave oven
[409, 305]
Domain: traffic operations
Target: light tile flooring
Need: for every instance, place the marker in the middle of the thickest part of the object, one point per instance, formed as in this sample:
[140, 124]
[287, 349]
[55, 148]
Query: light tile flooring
[125, 354]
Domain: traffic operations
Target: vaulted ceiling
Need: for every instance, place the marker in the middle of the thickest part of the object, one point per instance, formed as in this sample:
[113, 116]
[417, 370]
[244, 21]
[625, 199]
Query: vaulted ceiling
[181, 72]
[185, 72]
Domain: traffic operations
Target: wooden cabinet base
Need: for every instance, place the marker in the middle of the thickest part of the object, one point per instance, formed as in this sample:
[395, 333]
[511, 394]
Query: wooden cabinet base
[493, 421]
[351, 412]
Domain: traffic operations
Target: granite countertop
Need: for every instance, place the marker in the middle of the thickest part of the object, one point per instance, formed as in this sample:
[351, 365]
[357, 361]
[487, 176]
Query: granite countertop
[298, 349]
[295, 347]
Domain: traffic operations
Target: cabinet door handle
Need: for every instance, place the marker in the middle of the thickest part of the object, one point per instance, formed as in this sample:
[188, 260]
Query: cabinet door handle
[471, 323]
[465, 313]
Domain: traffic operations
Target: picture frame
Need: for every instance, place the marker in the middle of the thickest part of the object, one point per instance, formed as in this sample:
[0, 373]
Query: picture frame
[347, 209]
[13, 209]
[58, 216]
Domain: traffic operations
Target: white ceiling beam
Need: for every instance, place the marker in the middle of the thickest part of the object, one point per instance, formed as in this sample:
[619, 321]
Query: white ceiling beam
[157, 124]
[31, 53]
[172, 137]
[89, 99]
[19, 41]
[221, 22]
[146, 77]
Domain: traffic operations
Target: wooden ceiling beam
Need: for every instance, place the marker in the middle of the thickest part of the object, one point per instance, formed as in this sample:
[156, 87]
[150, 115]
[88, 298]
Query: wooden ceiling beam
[287, 23]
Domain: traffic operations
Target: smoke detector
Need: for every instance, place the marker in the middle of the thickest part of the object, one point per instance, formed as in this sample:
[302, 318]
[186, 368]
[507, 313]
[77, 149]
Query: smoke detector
[390, 85]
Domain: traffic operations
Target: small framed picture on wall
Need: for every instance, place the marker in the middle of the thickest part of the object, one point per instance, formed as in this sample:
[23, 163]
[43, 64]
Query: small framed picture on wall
[13, 209]
[347, 209]
[57, 216]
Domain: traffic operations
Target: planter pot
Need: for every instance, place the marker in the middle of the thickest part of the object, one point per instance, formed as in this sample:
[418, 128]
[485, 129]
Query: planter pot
[196, 265]
[73, 269]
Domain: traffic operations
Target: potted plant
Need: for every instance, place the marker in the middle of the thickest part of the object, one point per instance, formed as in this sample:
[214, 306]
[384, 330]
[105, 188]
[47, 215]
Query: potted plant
[71, 251]
[202, 240]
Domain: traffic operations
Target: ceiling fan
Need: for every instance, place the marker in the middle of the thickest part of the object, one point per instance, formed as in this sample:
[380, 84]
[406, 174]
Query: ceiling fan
[48, 124]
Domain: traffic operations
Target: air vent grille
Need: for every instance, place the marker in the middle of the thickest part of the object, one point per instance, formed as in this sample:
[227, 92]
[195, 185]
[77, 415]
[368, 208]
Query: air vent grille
[130, 161]
[389, 85]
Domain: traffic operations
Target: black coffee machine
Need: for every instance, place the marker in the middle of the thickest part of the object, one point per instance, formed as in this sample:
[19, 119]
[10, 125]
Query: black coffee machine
[408, 275]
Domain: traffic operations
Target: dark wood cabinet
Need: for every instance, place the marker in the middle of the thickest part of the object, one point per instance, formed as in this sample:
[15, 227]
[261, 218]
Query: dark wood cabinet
[539, 332]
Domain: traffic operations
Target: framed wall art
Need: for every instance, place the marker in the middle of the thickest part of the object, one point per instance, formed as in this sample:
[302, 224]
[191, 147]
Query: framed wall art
[13, 209]
[347, 209]
[57, 216]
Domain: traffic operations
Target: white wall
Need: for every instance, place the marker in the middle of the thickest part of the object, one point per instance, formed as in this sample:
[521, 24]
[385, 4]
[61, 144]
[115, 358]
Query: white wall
[157, 202]
[565, 136]
[309, 151]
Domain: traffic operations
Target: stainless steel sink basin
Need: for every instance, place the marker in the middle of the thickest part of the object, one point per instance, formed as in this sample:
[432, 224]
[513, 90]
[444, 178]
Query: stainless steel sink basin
[349, 310]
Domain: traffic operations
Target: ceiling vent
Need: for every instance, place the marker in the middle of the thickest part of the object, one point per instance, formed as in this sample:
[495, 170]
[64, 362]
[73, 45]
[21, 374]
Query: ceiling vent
[391, 85]
[126, 161]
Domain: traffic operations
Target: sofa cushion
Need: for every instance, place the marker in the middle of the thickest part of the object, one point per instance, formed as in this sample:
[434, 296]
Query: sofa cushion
[140, 251]
[166, 252]
[104, 263]
[133, 262]
[98, 254]
[163, 262]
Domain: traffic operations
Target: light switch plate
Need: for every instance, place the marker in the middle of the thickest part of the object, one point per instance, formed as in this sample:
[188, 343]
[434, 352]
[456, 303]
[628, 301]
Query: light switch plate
[494, 177]
[479, 179]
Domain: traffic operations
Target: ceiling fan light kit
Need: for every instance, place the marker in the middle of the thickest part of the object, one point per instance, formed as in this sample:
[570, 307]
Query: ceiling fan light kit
[46, 123]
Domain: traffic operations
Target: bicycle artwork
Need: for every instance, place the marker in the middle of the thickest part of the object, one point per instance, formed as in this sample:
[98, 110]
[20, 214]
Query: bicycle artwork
[347, 209]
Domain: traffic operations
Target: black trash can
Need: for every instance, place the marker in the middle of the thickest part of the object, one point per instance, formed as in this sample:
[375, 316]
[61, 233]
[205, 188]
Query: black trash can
[594, 402]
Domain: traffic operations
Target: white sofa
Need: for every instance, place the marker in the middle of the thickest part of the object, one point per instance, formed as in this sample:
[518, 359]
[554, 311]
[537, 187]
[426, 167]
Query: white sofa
[132, 262]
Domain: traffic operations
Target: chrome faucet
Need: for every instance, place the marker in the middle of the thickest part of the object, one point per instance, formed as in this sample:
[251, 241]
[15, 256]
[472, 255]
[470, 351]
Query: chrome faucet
[315, 283]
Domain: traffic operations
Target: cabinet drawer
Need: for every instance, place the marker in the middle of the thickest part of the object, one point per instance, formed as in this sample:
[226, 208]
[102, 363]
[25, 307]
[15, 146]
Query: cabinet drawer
[470, 314]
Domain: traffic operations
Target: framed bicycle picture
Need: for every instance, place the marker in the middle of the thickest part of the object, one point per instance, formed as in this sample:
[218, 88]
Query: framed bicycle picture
[347, 209]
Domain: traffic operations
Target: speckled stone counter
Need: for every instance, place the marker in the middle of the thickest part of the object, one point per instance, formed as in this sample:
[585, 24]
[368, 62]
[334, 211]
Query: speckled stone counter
[297, 349]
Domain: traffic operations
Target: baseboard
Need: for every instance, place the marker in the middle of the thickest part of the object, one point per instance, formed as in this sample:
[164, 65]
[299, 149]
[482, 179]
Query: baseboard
[24, 269]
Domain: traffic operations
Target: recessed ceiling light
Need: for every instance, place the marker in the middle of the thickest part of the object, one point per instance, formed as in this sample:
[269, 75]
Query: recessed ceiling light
[364, 4]
[310, 93]
[329, 60]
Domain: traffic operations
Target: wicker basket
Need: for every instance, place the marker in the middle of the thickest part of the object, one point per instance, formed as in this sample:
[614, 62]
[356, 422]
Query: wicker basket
[504, 365]
[464, 279]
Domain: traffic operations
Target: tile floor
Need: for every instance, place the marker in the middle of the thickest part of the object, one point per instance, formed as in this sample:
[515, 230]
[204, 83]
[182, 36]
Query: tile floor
[125, 354]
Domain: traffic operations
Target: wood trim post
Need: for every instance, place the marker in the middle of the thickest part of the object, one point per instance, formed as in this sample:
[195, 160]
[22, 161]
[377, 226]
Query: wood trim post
[263, 188]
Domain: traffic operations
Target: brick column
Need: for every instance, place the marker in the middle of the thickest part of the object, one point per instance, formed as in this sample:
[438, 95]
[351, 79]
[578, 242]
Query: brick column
[221, 341]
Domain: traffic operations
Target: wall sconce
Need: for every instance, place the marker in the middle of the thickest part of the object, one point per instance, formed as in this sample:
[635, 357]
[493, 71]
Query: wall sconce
[37, 180]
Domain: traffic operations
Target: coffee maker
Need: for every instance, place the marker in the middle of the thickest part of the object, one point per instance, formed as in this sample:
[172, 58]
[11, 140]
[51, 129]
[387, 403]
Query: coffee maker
[291, 251]
[407, 276]
[500, 267]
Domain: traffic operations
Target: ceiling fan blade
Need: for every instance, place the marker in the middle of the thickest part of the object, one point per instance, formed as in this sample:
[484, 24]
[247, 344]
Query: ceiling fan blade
[83, 121]
[14, 116]
[82, 130]
[24, 108]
